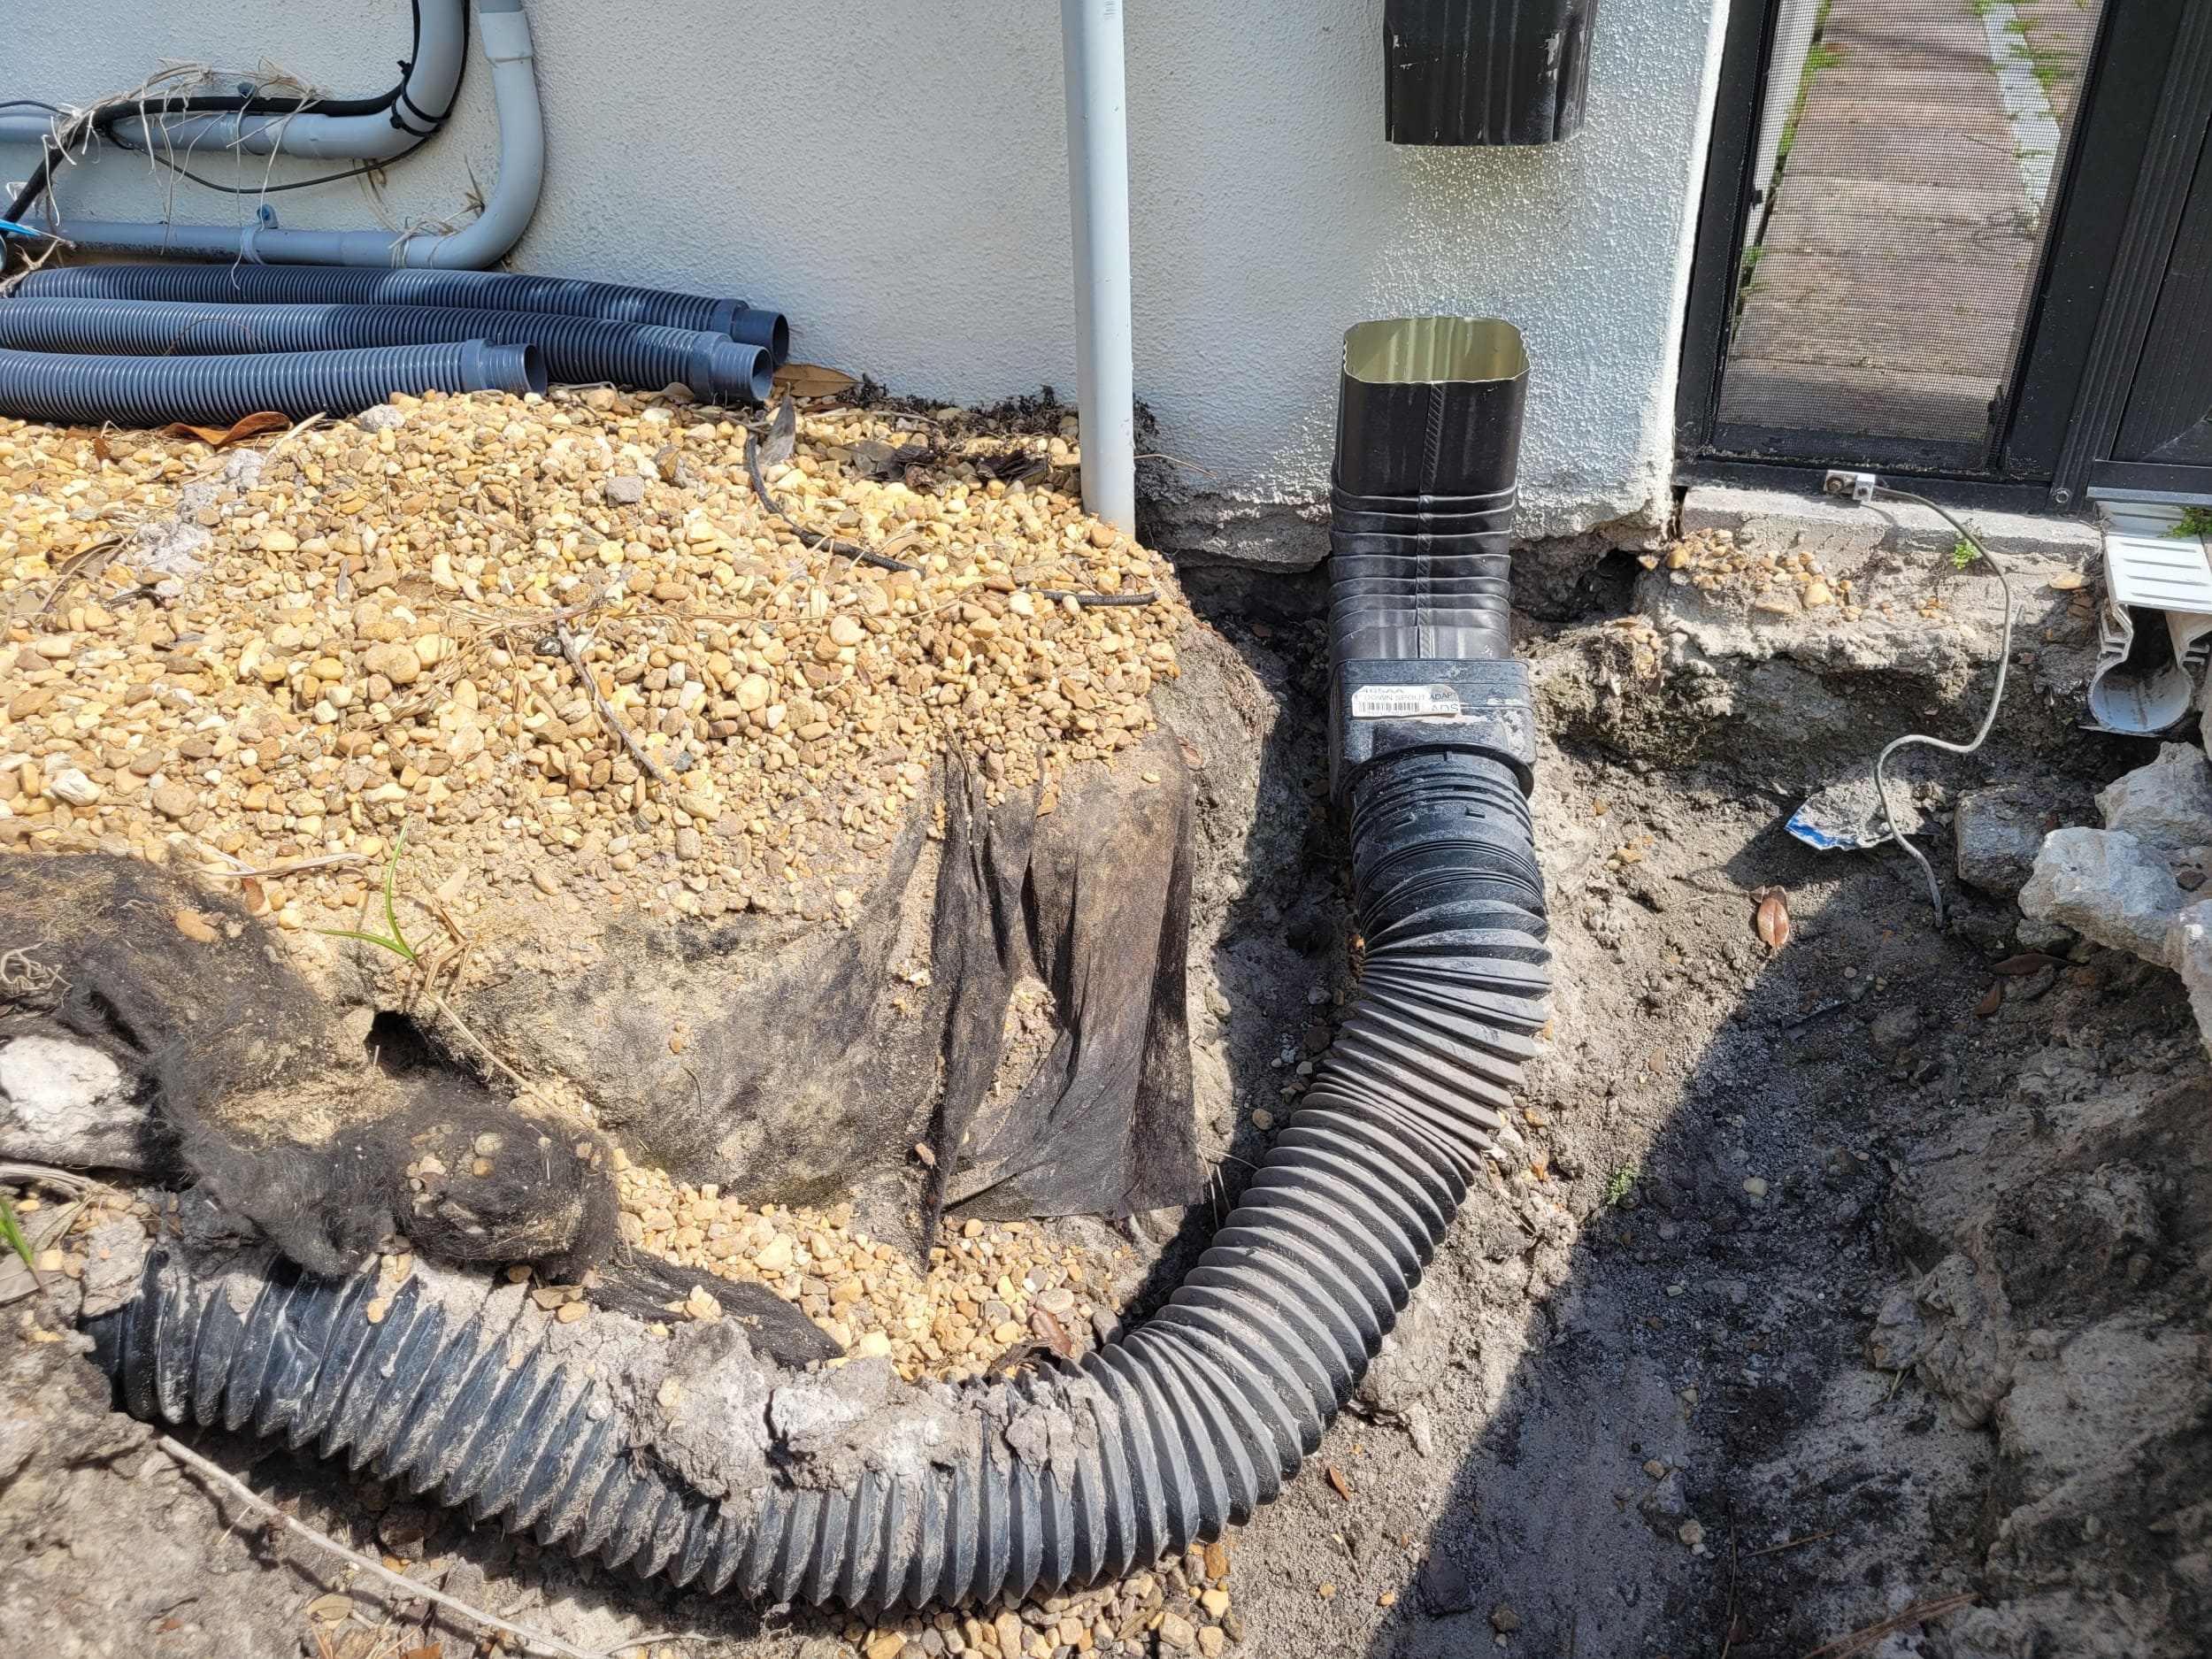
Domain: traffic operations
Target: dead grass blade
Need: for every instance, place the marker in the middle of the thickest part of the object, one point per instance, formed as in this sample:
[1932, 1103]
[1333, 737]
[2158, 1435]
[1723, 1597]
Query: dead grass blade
[1859, 1641]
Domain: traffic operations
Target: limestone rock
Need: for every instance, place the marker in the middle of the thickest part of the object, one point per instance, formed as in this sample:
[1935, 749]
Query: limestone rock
[2108, 886]
[2167, 804]
[65, 1101]
[1410, 1360]
[1954, 1329]
[1997, 831]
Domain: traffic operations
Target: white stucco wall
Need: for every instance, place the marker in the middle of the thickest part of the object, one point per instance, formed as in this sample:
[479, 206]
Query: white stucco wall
[894, 176]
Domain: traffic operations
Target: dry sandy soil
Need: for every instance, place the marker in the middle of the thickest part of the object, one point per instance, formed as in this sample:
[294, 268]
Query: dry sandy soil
[1848, 1297]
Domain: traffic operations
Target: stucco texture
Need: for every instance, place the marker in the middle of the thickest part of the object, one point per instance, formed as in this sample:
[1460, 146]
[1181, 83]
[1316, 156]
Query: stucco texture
[895, 177]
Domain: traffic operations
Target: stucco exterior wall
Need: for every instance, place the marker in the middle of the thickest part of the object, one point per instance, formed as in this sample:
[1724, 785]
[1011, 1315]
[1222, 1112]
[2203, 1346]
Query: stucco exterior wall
[894, 176]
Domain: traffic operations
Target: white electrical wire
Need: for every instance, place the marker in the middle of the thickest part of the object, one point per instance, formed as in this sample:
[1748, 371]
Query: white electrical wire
[1989, 721]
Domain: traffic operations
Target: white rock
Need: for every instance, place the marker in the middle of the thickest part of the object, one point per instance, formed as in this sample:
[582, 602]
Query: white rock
[73, 787]
[66, 1103]
[2108, 886]
[381, 418]
[2168, 803]
[2191, 947]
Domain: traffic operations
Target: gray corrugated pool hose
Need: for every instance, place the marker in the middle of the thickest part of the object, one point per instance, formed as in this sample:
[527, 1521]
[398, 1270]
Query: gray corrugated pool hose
[474, 290]
[1166, 1437]
[577, 349]
[151, 391]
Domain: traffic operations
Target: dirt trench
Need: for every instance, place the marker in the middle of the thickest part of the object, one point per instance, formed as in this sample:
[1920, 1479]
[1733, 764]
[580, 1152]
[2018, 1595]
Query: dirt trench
[1842, 1298]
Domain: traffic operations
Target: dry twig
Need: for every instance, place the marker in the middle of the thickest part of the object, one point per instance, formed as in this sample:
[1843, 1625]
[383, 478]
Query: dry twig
[608, 715]
[1859, 1641]
[413, 1589]
[1788, 1543]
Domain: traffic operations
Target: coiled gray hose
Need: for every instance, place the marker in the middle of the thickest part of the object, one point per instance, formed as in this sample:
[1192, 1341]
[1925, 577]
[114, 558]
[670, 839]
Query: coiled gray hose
[149, 391]
[576, 349]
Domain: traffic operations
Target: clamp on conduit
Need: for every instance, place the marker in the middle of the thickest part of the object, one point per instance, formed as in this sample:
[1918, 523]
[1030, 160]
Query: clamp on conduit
[1198, 1416]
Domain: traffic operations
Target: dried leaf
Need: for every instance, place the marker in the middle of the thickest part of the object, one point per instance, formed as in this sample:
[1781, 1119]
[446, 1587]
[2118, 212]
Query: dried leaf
[2027, 962]
[1049, 1331]
[2066, 581]
[333, 1606]
[812, 380]
[1773, 920]
[435, 1650]
[1343, 1487]
[899, 543]
[218, 437]
[922, 1151]
[1992, 1003]
[783, 435]
[100, 447]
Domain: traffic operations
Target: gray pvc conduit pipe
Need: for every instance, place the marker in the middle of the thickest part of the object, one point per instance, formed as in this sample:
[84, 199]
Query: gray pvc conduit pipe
[421, 103]
[484, 290]
[576, 349]
[149, 391]
[1179, 1429]
[1098, 188]
[504, 33]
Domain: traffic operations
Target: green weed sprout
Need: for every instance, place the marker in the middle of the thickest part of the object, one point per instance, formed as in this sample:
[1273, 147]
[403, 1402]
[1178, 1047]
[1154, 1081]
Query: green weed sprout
[396, 943]
[11, 1230]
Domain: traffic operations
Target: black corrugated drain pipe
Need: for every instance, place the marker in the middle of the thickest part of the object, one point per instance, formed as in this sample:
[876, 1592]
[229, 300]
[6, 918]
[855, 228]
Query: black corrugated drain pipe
[1193, 1419]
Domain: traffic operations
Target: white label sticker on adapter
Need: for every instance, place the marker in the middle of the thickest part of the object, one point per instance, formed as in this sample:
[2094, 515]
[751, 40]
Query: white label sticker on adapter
[1403, 702]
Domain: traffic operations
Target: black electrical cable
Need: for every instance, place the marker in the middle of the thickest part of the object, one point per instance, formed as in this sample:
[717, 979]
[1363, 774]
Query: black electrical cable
[103, 118]
[361, 170]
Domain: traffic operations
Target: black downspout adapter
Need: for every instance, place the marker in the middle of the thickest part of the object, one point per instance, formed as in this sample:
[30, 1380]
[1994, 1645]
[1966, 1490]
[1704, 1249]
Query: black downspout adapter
[1485, 72]
[1420, 641]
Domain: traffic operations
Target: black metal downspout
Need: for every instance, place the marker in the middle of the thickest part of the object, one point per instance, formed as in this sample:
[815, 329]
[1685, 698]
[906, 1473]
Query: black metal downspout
[1195, 1418]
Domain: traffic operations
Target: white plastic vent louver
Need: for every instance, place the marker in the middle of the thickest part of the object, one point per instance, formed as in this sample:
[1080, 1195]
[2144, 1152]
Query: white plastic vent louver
[2140, 686]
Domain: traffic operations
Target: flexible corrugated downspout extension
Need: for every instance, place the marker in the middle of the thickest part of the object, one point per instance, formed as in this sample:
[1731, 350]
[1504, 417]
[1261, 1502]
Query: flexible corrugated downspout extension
[1197, 1417]
[578, 351]
[471, 291]
[149, 391]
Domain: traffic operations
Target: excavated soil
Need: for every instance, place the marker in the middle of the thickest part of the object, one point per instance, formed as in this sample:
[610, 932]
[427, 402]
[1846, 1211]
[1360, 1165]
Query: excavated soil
[1847, 1296]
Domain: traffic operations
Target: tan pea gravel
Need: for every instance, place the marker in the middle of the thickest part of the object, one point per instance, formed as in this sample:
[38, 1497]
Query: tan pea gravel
[278, 654]
[991, 1291]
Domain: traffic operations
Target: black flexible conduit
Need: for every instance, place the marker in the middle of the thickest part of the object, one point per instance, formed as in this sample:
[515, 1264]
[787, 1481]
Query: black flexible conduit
[472, 290]
[149, 391]
[577, 349]
[1167, 1436]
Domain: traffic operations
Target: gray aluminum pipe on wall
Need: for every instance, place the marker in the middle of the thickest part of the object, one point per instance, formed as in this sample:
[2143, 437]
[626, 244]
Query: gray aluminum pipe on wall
[1197, 1416]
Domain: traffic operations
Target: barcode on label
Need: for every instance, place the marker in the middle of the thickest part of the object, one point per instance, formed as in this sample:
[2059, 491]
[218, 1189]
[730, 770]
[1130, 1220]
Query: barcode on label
[1401, 702]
